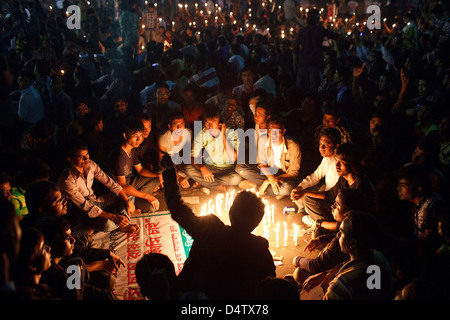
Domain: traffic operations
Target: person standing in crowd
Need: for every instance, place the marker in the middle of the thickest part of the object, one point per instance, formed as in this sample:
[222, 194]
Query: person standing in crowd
[308, 52]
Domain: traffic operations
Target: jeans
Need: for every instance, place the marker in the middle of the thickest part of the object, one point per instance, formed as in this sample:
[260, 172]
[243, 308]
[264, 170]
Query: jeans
[252, 173]
[222, 176]
[81, 224]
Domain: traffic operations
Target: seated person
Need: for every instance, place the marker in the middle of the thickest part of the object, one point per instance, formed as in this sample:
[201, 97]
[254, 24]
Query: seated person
[58, 235]
[147, 150]
[348, 167]
[43, 198]
[89, 211]
[233, 119]
[225, 261]
[214, 154]
[280, 163]
[357, 239]
[33, 260]
[414, 185]
[257, 143]
[330, 139]
[140, 182]
[331, 255]
[160, 107]
[176, 142]
[332, 119]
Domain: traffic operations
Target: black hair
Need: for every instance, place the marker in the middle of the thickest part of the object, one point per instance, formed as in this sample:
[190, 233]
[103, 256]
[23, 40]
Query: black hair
[246, 212]
[418, 176]
[132, 125]
[38, 194]
[332, 133]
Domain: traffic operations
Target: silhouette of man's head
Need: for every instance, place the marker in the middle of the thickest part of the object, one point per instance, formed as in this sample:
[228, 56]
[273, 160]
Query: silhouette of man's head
[246, 212]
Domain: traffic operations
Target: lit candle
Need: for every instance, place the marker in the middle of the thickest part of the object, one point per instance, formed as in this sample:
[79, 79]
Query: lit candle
[273, 213]
[266, 232]
[277, 234]
[295, 233]
[210, 206]
[219, 203]
[285, 233]
[203, 212]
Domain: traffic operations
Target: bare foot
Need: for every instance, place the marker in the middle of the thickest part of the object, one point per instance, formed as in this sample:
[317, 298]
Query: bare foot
[245, 184]
[131, 228]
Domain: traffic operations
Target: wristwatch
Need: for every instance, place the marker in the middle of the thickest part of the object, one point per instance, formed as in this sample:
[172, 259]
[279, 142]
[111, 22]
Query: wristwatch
[318, 223]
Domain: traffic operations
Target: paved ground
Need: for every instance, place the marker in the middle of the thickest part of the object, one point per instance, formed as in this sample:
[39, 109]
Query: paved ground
[283, 255]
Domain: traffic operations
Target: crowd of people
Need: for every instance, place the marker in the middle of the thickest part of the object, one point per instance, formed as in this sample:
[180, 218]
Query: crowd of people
[295, 99]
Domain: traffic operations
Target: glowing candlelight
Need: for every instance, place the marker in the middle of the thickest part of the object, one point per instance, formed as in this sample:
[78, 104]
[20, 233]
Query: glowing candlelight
[266, 232]
[273, 213]
[296, 227]
[277, 234]
[219, 203]
[210, 206]
[203, 212]
[285, 233]
[143, 26]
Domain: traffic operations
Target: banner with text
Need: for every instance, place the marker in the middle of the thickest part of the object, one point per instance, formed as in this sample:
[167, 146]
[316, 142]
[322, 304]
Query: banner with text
[158, 233]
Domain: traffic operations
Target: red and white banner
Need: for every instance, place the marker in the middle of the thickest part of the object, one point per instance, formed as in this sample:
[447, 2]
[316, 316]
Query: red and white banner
[158, 233]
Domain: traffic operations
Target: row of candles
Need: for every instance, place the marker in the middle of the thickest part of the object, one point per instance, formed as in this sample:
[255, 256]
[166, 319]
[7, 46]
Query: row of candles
[223, 203]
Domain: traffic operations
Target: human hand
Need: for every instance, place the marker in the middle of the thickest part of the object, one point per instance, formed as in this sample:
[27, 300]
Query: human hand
[131, 208]
[313, 281]
[116, 260]
[312, 244]
[120, 220]
[184, 182]
[153, 201]
[275, 183]
[404, 79]
[207, 175]
[297, 194]
[263, 187]
[358, 71]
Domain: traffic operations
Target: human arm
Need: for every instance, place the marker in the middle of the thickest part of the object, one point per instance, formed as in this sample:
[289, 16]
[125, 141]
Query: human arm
[398, 104]
[130, 190]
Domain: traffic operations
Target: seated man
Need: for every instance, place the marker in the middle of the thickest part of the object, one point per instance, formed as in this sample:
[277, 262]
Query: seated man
[43, 198]
[124, 158]
[257, 145]
[176, 141]
[214, 154]
[330, 139]
[58, 235]
[331, 255]
[331, 119]
[348, 163]
[280, 163]
[160, 107]
[414, 185]
[351, 282]
[90, 211]
[225, 262]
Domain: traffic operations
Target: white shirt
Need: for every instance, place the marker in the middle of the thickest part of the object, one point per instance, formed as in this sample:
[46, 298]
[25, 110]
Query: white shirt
[327, 170]
[277, 150]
